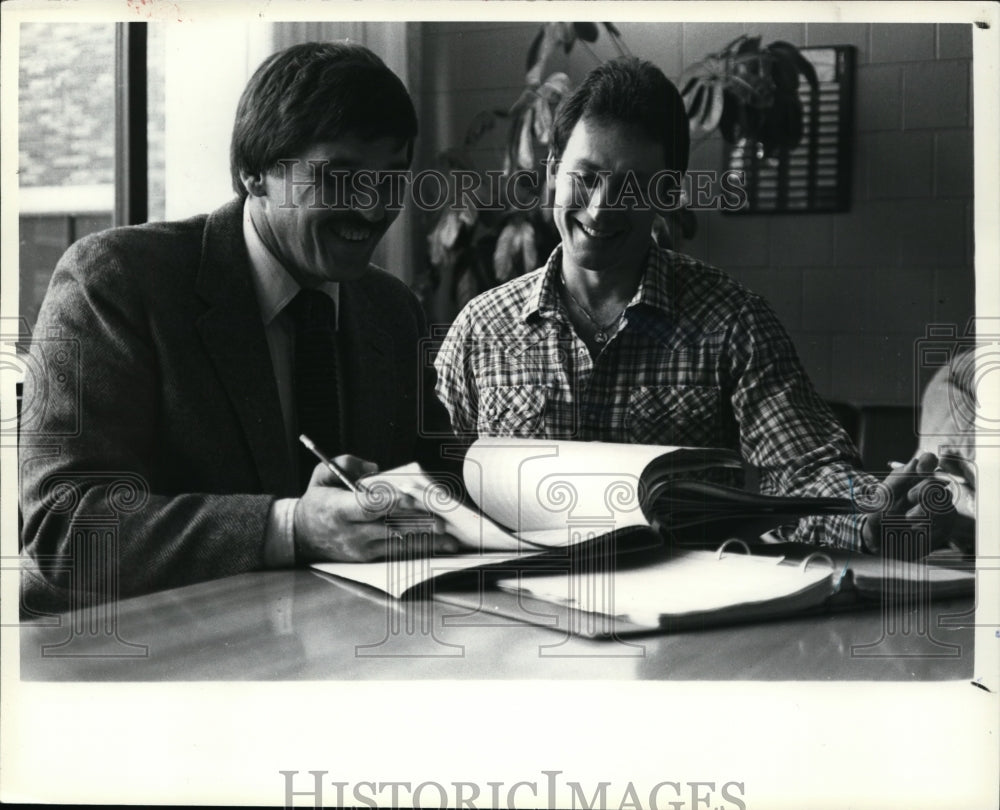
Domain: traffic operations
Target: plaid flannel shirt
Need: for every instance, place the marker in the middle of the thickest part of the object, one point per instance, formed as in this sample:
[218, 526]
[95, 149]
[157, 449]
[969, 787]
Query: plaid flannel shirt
[699, 361]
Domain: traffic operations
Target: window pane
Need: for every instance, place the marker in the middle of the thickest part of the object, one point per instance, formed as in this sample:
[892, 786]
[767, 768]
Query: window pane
[66, 112]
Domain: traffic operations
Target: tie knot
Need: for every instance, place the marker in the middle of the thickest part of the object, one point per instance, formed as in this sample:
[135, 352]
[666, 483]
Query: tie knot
[314, 308]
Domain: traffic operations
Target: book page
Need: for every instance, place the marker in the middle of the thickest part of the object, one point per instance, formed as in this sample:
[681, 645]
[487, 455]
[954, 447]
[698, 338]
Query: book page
[474, 530]
[397, 576]
[942, 571]
[694, 583]
[874, 574]
[535, 485]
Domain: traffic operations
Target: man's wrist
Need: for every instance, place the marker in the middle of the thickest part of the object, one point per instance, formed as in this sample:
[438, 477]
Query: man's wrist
[869, 543]
[279, 536]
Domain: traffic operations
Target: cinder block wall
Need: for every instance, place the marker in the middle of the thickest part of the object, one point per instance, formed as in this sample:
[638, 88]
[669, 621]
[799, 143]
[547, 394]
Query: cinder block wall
[855, 290]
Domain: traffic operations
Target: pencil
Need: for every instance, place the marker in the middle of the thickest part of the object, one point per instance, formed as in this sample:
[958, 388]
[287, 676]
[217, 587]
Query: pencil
[331, 465]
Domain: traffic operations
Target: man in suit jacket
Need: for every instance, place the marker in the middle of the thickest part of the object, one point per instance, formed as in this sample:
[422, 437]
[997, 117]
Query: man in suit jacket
[182, 428]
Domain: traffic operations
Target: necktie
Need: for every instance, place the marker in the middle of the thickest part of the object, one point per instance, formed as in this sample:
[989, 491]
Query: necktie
[316, 376]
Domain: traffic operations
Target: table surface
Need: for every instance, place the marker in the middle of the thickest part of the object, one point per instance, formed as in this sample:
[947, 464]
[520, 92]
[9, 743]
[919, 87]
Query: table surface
[303, 625]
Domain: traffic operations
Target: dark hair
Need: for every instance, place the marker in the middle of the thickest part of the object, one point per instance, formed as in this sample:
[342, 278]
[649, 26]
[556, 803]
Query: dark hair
[314, 92]
[628, 91]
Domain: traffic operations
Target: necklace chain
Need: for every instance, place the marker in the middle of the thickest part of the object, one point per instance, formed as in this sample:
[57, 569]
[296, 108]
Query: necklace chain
[602, 331]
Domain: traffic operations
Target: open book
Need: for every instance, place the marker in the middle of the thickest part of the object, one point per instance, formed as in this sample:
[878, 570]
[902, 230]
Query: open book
[684, 589]
[556, 499]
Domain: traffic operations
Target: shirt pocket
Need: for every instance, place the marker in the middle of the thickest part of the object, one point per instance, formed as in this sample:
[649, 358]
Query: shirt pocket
[512, 410]
[682, 415]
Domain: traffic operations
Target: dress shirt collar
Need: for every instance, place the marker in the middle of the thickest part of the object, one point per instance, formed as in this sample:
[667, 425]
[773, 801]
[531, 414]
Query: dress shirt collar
[273, 284]
[653, 291]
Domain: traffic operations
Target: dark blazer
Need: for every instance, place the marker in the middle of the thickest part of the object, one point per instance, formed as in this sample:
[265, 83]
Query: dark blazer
[165, 421]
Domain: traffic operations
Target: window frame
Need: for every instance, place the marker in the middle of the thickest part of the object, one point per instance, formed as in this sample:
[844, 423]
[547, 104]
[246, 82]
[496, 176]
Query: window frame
[131, 116]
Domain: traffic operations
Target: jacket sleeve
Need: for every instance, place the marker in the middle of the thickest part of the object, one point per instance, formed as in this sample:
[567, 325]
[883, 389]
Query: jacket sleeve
[94, 523]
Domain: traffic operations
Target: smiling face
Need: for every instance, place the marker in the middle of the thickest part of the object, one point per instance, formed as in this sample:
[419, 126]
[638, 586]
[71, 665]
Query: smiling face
[304, 218]
[600, 183]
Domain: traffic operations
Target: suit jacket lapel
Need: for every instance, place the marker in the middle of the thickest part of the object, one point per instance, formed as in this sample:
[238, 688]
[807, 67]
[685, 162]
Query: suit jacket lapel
[233, 334]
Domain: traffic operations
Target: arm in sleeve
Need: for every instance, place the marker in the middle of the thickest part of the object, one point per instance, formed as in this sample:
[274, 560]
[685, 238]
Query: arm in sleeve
[456, 383]
[89, 451]
[787, 430]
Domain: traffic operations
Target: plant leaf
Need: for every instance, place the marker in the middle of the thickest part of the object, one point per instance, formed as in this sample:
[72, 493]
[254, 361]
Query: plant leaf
[529, 250]
[661, 232]
[481, 123]
[612, 29]
[515, 252]
[543, 121]
[503, 254]
[441, 240]
[690, 88]
[468, 215]
[534, 76]
[551, 39]
[744, 90]
[687, 85]
[533, 49]
[555, 87]
[567, 36]
[524, 101]
[735, 45]
[784, 72]
[694, 108]
[526, 146]
[749, 45]
[514, 136]
[713, 109]
[805, 67]
[730, 117]
[706, 103]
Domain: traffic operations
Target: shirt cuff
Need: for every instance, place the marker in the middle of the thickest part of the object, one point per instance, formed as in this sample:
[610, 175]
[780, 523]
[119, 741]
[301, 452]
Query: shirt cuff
[279, 537]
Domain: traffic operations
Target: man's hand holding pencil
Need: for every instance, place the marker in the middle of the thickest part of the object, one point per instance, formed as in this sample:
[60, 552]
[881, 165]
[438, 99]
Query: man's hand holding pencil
[336, 520]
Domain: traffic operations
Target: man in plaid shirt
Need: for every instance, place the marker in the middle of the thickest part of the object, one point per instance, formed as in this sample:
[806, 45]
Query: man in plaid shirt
[618, 340]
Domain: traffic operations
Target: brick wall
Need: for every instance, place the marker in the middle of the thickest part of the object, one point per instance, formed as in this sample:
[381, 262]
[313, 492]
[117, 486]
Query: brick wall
[66, 107]
[855, 290]
[66, 88]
